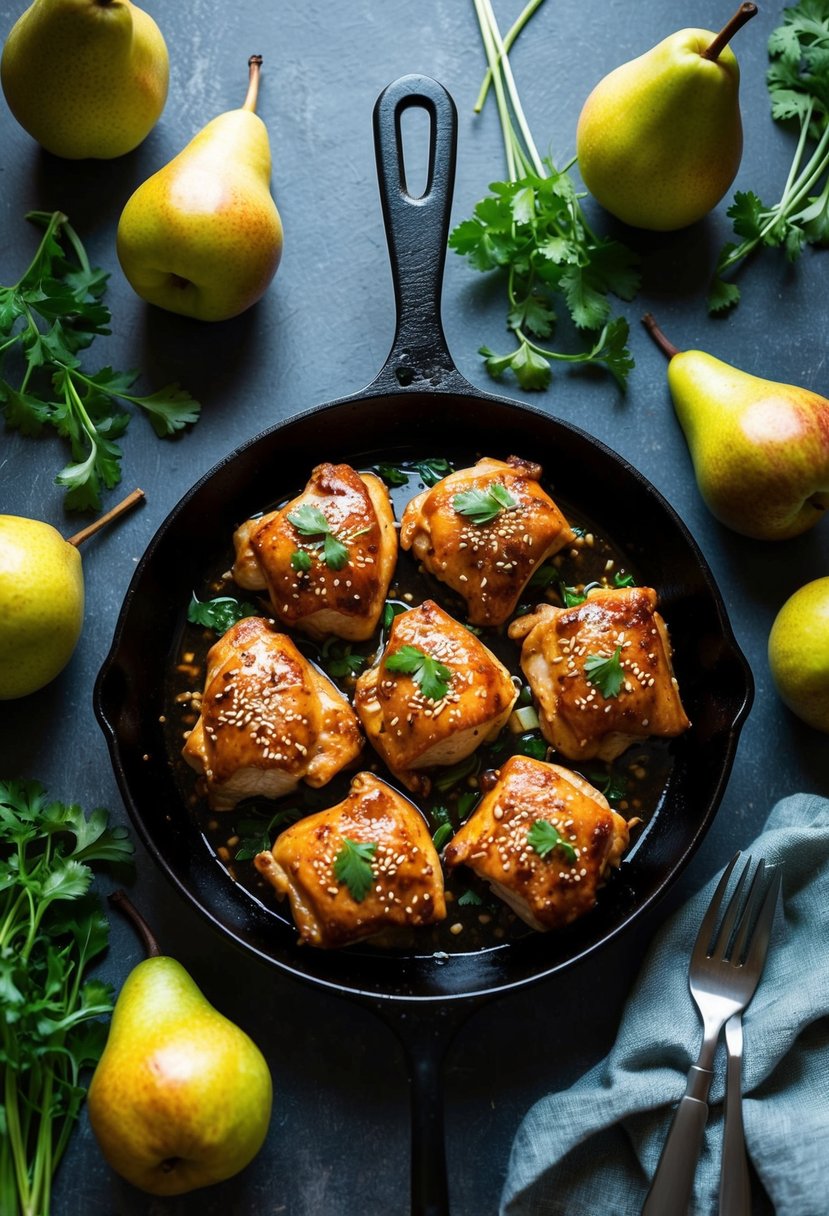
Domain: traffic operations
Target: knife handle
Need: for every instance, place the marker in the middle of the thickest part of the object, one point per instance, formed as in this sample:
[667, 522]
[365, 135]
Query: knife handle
[670, 1191]
[735, 1186]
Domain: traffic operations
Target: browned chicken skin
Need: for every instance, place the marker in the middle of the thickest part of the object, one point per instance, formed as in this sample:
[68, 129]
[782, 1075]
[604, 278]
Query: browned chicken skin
[406, 879]
[575, 716]
[488, 564]
[500, 842]
[410, 730]
[322, 601]
[268, 719]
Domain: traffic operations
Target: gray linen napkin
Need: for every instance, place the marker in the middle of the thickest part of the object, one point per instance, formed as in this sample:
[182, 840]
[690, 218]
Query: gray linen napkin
[592, 1150]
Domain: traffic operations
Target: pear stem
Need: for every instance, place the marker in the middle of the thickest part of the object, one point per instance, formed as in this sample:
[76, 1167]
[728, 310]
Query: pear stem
[119, 509]
[254, 66]
[665, 345]
[120, 900]
[743, 14]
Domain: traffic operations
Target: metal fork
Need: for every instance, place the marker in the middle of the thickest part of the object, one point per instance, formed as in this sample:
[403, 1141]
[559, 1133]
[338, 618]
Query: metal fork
[724, 972]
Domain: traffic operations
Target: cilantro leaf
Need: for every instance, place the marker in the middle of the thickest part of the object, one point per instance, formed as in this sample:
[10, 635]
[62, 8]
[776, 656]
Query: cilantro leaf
[54, 311]
[219, 613]
[310, 521]
[391, 474]
[621, 579]
[469, 899]
[352, 866]
[544, 837]
[443, 835]
[338, 660]
[605, 673]
[432, 470]
[391, 609]
[301, 561]
[484, 506]
[432, 677]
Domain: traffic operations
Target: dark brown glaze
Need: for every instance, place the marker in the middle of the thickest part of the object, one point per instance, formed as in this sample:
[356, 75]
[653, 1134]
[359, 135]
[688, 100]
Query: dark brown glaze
[412, 732]
[407, 888]
[575, 716]
[489, 564]
[268, 719]
[548, 892]
[322, 601]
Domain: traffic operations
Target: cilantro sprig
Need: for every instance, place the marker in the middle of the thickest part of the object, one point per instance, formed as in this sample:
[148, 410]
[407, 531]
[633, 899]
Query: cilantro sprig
[484, 506]
[431, 676]
[605, 673]
[798, 85]
[219, 613]
[51, 313]
[532, 229]
[352, 866]
[310, 521]
[52, 1024]
[544, 837]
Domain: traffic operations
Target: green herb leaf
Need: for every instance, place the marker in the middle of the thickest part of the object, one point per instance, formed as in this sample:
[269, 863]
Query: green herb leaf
[623, 580]
[466, 803]
[443, 835]
[352, 866]
[450, 777]
[334, 552]
[431, 676]
[544, 837]
[483, 506]
[391, 609]
[469, 899]
[219, 613]
[433, 470]
[301, 561]
[605, 673]
[611, 785]
[338, 660]
[533, 744]
[392, 474]
[310, 521]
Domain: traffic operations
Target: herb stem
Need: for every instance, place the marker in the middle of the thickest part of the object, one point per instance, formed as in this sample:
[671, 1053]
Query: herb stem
[510, 36]
[515, 101]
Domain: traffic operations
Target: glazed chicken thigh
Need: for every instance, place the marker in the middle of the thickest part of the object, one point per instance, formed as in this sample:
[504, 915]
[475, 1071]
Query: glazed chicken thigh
[601, 673]
[544, 839]
[327, 558]
[268, 719]
[361, 867]
[436, 694]
[483, 531]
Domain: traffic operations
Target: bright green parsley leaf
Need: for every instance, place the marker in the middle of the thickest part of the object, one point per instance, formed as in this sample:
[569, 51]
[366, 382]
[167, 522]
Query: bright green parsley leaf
[432, 677]
[219, 613]
[301, 561]
[432, 470]
[352, 866]
[544, 837]
[469, 899]
[623, 580]
[484, 506]
[605, 673]
[310, 521]
[52, 313]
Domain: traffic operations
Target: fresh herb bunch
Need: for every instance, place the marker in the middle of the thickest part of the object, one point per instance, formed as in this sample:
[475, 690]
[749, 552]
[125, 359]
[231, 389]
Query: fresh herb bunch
[798, 84]
[51, 1017]
[532, 228]
[54, 311]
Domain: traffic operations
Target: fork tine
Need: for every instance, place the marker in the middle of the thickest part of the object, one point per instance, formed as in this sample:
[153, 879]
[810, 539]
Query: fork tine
[731, 912]
[755, 956]
[748, 916]
[705, 936]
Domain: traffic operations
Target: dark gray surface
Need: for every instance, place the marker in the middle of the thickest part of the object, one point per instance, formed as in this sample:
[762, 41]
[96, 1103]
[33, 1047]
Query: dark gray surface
[339, 1136]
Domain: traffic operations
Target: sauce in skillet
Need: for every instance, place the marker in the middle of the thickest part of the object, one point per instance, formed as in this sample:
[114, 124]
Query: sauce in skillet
[475, 918]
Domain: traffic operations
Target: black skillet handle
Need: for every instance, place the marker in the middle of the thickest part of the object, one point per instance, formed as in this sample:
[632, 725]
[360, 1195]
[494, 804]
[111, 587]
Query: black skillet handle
[417, 229]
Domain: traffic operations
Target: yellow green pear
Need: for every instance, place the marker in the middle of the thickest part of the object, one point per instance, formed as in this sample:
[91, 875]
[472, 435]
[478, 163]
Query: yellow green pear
[659, 140]
[760, 449]
[181, 1096]
[799, 653]
[202, 236]
[41, 604]
[86, 78]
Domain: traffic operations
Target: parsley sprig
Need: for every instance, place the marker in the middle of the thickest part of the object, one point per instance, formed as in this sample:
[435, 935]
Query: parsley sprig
[605, 673]
[431, 676]
[798, 85]
[544, 836]
[51, 1015]
[310, 521]
[51, 313]
[484, 506]
[220, 613]
[532, 228]
[352, 866]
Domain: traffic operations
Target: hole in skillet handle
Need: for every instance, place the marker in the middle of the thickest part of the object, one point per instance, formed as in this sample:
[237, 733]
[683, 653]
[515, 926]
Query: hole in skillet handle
[417, 231]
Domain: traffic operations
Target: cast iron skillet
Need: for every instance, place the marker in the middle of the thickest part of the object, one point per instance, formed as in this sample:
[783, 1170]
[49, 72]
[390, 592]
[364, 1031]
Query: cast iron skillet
[420, 406]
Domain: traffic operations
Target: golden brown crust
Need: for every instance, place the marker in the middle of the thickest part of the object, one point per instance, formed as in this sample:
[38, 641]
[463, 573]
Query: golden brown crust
[408, 881]
[487, 564]
[575, 717]
[268, 719]
[323, 601]
[412, 732]
[550, 891]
